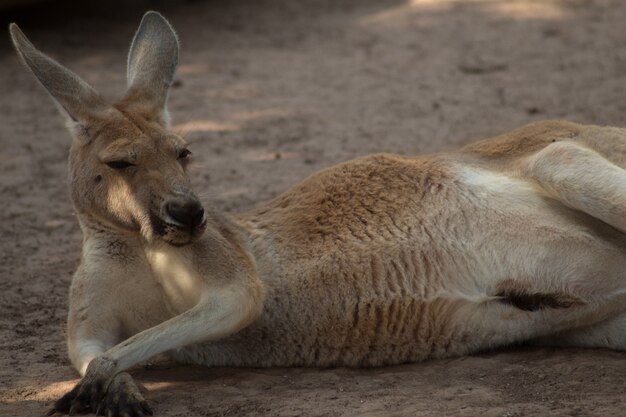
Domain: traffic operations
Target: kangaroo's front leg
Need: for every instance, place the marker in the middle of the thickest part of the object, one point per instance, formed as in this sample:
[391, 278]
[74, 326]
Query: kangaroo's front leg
[223, 311]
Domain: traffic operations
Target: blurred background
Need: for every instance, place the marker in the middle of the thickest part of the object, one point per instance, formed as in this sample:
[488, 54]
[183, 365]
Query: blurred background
[267, 92]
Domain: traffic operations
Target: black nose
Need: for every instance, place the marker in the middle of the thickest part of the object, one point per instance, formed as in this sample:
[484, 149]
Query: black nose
[187, 213]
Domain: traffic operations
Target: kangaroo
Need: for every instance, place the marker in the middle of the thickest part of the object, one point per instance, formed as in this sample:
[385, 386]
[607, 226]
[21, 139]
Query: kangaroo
[382, 260]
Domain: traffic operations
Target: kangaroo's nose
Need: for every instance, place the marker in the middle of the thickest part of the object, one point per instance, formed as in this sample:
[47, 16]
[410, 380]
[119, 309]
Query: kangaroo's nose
[187, 213]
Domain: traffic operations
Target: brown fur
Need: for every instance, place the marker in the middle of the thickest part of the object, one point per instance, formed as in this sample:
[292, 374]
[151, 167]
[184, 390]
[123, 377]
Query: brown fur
[380, 260]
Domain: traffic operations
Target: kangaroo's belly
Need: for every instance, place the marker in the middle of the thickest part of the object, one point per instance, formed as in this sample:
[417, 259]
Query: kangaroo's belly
[371, 333]
[350, 308]
[409, 303]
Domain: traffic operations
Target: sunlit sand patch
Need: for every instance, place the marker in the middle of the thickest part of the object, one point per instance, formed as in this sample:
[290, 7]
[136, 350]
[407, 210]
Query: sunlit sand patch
[260, 114]
[205, 126]
[233, 124]
[48, 392]
[509, 9]
[154, 386]
[526, 10]
[53, 391]
[394, 15]
[192, 69]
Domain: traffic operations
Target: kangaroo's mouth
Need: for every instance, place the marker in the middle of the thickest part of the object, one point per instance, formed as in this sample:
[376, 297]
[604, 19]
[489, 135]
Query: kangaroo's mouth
[158, 225]
[176, 234]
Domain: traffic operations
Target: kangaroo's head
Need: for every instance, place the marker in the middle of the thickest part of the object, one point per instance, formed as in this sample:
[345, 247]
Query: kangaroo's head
[127, 172]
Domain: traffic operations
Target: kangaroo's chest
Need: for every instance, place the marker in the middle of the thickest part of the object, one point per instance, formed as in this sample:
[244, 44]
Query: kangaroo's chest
[177, 276]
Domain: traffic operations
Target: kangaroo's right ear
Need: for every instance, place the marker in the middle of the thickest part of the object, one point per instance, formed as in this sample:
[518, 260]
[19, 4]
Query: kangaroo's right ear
[152, 61]
[74, 96]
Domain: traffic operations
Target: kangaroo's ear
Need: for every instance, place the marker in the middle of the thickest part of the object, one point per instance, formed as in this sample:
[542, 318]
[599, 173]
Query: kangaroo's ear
[77, 99]
[152, 62]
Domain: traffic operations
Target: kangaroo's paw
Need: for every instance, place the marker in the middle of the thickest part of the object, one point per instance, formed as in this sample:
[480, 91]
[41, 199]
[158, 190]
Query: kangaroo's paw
[89, 393]
[123, 398]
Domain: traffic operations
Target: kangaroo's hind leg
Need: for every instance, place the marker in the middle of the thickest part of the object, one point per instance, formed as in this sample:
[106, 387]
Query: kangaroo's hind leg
[610, 334]
[582, 179]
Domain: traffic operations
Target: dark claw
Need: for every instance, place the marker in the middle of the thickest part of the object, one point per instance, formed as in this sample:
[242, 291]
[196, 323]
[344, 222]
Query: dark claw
[82, 402]
[138, 411]
[76, 408]
[122, 405]
[97, 395]
[63, 404]
[146, 408]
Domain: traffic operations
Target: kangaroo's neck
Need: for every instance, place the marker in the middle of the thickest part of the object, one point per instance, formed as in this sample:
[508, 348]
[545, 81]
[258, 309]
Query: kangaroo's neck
[220, 257]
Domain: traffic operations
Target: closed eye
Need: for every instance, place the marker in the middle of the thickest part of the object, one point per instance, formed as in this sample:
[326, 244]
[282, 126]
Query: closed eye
[119, 164]
[185, 153]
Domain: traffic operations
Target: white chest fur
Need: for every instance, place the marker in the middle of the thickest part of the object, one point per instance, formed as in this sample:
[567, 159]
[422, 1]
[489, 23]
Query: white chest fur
[174, 270]
[494, 181]
[503, 192]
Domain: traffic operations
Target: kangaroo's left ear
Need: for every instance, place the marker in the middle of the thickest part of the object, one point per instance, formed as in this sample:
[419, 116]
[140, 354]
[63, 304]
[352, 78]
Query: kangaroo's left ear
[74, 97]
[152, 62]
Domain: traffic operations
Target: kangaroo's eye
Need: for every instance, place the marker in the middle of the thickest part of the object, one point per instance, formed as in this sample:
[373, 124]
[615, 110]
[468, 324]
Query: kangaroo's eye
[184, 154]
[119, 164]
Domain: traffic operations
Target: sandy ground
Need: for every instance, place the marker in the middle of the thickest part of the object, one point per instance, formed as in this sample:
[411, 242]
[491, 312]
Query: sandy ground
[268, 92]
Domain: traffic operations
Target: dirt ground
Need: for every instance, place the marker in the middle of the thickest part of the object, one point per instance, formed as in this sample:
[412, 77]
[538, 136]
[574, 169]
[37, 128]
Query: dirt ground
[269, 92]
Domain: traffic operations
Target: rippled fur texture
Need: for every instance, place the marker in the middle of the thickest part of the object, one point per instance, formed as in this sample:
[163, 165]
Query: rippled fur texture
[381, 260]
